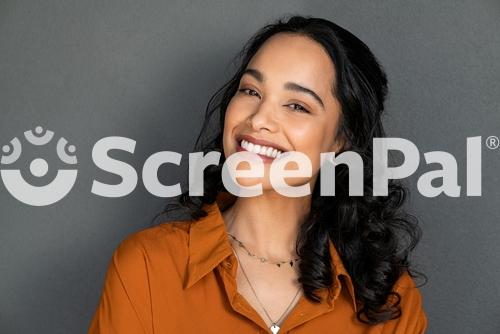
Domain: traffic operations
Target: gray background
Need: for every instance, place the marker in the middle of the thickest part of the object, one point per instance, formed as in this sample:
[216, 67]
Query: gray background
[146, 69]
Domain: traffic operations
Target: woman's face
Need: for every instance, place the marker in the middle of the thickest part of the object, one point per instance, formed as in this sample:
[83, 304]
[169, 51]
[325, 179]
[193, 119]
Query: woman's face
[285, 98]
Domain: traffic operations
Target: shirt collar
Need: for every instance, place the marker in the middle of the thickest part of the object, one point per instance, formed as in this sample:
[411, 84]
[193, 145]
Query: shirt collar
[209, 246]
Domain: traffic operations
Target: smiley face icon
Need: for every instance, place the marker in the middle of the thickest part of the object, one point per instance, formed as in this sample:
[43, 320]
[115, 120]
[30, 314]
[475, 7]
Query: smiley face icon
[47, 194]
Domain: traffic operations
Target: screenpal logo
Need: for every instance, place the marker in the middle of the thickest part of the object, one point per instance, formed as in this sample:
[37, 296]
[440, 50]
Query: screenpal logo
[42, 195]
[65, 179]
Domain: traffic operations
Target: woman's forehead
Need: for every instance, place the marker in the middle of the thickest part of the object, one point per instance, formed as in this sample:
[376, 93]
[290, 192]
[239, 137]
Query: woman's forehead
[294, 57]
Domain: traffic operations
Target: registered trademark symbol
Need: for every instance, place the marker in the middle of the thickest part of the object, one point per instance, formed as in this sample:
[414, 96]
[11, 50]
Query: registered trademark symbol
[492, 142]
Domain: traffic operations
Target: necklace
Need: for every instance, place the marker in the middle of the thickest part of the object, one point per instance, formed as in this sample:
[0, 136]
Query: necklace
[274, 324]
[262, 259]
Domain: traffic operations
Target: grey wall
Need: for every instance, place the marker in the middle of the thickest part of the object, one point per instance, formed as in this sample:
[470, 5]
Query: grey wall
[145, 70]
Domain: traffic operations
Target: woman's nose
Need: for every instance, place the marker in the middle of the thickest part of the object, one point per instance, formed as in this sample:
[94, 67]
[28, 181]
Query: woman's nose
[263, 117]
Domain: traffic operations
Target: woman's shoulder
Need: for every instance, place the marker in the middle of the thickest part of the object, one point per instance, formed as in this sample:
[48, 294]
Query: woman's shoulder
[406, 282]
[151, 259]
[413, 317]
[170, 229]
[406, 286]
[168, 240]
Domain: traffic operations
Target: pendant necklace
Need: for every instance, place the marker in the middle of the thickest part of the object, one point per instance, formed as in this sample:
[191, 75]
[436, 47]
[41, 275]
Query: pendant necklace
[274, 324]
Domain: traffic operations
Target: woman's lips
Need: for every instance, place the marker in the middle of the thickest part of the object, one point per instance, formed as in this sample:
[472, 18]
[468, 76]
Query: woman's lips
[261, 142]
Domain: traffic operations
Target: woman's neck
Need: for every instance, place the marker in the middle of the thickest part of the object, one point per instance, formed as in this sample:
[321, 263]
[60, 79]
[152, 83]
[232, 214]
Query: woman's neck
[268, 224]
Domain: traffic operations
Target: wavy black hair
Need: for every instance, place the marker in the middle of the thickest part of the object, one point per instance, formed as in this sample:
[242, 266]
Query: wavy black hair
[373, 234]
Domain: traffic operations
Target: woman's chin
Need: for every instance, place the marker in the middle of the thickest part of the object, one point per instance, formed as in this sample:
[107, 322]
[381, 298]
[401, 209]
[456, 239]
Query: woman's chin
[249, 184]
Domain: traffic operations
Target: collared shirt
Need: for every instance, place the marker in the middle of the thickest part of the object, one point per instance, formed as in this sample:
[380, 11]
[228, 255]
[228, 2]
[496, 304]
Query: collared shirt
[180, 277]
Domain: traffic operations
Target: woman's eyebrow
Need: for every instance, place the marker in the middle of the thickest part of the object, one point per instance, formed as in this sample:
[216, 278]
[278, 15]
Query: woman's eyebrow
[289, 85]
[298, 88]
[254, 73]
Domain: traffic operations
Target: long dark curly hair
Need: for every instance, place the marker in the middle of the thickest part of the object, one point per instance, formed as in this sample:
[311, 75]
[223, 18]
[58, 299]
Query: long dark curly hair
[373, 234]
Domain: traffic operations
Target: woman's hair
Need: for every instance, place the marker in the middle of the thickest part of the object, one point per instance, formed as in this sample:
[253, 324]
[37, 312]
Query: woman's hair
[373, 235]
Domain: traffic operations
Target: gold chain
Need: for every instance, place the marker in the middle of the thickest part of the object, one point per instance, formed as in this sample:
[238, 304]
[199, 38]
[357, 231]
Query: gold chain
[262, 259]
[274, 324]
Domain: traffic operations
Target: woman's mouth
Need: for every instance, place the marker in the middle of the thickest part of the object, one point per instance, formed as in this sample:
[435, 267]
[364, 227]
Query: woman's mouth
[266, 153]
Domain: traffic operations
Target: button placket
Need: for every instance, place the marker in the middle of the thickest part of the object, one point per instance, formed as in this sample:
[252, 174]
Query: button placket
[228, 270]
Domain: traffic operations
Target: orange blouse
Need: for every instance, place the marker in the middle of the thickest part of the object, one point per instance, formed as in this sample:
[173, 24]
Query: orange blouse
[180, 277]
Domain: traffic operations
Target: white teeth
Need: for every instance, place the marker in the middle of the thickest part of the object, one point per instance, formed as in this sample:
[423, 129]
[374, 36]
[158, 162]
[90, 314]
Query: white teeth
[260, 149]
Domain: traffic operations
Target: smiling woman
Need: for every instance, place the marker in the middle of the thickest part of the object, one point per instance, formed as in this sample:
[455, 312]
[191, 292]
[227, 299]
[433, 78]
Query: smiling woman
[272, 263]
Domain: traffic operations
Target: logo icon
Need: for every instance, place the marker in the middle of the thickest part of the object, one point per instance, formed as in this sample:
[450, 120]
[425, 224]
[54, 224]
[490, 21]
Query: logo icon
[38, 195]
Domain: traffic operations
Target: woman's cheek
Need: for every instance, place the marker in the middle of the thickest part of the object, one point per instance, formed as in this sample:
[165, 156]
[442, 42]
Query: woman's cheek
[236, 110]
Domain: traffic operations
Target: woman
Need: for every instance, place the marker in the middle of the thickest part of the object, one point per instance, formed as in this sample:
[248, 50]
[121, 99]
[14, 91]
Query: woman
[272, 263]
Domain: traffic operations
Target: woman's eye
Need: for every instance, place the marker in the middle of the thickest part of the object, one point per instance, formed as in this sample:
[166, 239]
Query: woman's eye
[298, 107]
[249, 91]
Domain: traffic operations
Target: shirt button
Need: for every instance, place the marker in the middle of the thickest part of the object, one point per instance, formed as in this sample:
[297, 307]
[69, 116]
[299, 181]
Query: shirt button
[228, 264]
